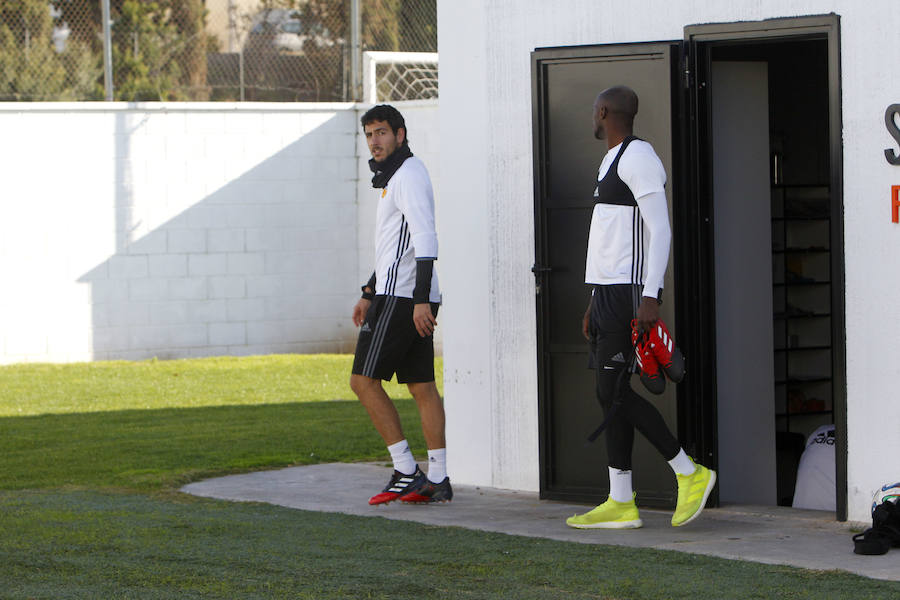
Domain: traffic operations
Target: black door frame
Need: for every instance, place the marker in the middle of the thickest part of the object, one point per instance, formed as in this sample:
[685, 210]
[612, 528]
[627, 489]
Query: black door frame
[694, 232]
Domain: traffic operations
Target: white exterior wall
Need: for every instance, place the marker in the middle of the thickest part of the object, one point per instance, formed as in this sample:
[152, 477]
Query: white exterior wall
[485, 117]
[177, 230]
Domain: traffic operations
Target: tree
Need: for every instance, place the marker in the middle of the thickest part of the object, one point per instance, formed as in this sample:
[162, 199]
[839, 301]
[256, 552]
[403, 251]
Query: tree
[189, 17]
[159, 47]
[417, 26]
[31, 68]
[381, 25]
[389, 25]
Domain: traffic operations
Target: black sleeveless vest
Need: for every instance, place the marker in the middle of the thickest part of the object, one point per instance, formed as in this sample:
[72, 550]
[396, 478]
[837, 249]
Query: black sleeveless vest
[611, 189]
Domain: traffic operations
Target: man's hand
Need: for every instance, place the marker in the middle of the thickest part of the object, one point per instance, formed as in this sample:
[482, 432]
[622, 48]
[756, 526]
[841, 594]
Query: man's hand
[360, 310]
[424, 319]
[647, 313]
[585, 322]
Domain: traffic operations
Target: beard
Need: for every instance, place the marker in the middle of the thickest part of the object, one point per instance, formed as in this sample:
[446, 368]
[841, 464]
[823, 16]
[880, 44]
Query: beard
[599, 132]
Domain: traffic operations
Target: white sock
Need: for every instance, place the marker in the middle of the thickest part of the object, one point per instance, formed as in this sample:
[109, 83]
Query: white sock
[437, 465]
[402, 457]
[620, 485]
[682, 464]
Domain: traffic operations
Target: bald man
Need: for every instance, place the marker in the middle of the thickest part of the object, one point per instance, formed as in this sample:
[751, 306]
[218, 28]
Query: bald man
[627, 256]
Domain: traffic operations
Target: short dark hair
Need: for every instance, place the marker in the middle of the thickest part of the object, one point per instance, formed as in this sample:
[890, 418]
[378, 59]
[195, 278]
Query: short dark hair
[386, 112]
[621, 99]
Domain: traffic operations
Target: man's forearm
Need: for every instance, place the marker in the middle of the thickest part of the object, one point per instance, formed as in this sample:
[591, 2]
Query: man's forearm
[655, 213]
[424, 272]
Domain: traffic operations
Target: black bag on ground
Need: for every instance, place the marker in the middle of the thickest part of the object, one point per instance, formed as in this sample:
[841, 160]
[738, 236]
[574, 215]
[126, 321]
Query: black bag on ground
[884, 533]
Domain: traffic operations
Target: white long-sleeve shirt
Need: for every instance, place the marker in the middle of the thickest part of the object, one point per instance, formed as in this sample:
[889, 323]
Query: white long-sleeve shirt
[404, 231]
[630, 244]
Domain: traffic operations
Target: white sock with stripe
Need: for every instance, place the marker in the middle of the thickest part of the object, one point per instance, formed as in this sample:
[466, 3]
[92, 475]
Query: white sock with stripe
[437, 465]
[403, 458]
[620, 485]
[682, 463]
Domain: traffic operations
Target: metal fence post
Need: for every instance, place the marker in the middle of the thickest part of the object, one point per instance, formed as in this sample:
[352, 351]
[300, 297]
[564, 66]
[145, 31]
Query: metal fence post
[107, 51]
[355, 19]
[241, 71]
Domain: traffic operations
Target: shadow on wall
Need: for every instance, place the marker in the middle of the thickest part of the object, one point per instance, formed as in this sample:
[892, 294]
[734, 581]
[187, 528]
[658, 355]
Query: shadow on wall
[266, 263]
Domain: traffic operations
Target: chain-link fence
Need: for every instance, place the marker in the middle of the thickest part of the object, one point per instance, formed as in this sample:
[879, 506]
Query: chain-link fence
[197, 50]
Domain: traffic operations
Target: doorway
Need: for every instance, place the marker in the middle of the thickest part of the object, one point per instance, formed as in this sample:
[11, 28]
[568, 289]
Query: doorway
[775, 207]
[771, 174]
[746, 119]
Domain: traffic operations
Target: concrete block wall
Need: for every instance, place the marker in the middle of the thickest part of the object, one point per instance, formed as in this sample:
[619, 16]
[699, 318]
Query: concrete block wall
[177, 230]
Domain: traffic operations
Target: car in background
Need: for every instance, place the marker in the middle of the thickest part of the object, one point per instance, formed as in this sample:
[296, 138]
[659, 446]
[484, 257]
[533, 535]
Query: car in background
[283, 31]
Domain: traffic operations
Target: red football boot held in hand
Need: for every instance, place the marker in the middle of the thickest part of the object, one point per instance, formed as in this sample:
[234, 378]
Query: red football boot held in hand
[663, 348]
[651, 373]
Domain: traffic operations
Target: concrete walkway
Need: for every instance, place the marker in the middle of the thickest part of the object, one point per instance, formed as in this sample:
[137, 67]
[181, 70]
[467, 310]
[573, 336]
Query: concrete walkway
[774, 535]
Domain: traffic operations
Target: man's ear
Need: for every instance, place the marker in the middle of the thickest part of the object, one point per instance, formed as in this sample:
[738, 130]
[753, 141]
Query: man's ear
[401, 135]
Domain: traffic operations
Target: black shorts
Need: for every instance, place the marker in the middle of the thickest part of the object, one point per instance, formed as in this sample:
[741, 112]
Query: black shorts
[609, 325]
[389, 343]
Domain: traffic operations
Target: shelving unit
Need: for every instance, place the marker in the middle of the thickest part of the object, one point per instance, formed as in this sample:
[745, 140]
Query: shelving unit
[801, 260]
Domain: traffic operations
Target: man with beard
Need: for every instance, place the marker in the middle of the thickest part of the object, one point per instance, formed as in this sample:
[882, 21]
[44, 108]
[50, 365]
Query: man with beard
[398, 309]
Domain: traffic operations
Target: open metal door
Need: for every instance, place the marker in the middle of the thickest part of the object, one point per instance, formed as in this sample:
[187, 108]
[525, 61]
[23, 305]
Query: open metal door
[566, 82]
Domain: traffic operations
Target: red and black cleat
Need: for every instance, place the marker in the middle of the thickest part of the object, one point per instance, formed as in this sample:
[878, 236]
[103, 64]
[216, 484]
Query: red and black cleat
[399, 486]
[430, 492]
[651, 373]
[667, 355]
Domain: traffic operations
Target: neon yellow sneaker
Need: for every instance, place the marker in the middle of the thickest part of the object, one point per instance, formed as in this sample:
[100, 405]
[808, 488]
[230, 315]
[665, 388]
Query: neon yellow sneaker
[609, 515]
[693, 490]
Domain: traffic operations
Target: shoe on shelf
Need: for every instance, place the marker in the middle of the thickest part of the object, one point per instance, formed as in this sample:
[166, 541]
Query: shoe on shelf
[399, 485]
[693, 491]
[609, 515]
[430, 492]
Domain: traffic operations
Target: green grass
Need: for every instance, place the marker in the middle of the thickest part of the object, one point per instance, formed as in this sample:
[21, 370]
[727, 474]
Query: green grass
[91, 457]
[83, 544]
[118, 385]
[156, 425]
[156, 450]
